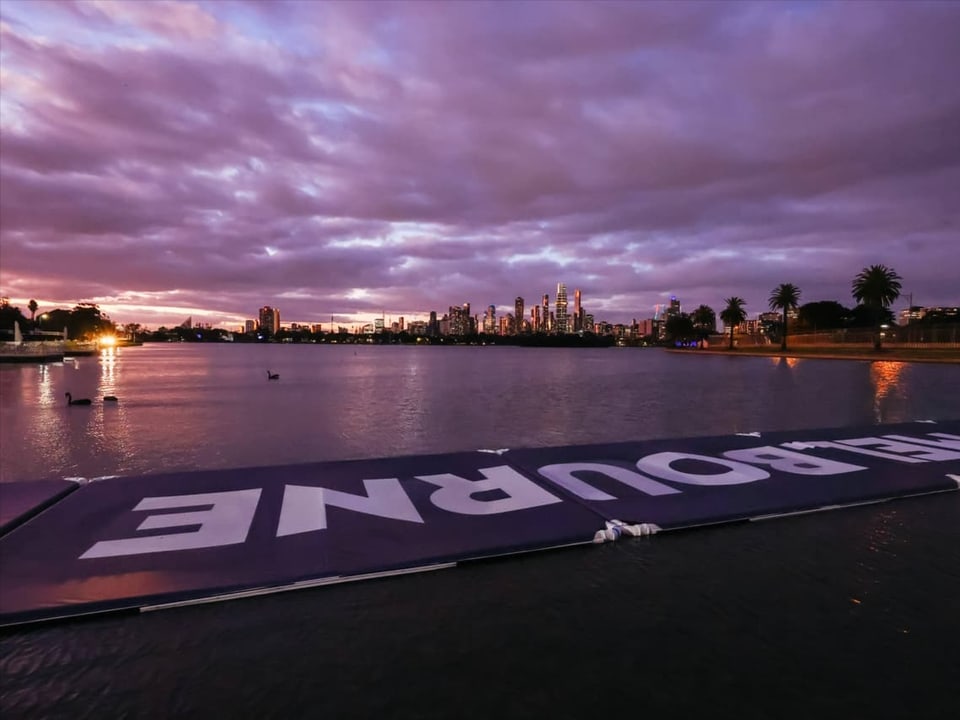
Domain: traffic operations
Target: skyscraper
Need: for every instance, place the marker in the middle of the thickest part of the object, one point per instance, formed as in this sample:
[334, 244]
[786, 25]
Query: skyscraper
[535, 318]
[545, 315]
[269, 320]
[518, 315]
[561, 308]
[577, 311]
[490, 320]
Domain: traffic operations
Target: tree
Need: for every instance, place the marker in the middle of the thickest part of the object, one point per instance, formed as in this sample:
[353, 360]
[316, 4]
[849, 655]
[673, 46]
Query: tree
[679, 328]
[704, 320]
[32, 307]
[823, 315]
[784, 297]
[876, 287]
[9, 315]
[733, 314]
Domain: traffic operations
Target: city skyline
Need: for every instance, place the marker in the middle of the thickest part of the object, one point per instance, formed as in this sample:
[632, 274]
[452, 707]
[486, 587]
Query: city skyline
[352, 160]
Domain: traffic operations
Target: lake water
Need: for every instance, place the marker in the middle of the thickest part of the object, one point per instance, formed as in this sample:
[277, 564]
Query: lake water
[851, 612]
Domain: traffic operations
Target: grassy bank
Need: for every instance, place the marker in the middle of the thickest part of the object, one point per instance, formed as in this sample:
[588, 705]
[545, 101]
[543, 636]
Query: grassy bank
[887, 354]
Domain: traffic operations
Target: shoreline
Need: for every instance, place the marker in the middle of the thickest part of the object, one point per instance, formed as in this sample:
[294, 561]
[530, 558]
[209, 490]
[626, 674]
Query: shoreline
[943, 356]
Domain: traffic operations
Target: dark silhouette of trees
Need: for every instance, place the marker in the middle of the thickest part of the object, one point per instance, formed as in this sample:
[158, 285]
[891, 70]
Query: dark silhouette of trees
[733, 314]
[32, 307]
[876, 287]
[704, 321]
[10, 314]
[823, 315]
[680, 328]
[784, 297]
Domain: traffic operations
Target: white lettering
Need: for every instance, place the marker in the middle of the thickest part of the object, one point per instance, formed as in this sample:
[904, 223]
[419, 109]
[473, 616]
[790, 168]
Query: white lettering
[659, 465]
[226, 522]
[791, 462]
[899, 444]
[304, 508]
[948, 441]
[562, 474]
[455, 493]
[847, 448]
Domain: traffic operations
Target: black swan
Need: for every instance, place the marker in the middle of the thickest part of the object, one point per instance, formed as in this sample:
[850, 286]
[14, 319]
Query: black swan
[78, 401]
[272, 376]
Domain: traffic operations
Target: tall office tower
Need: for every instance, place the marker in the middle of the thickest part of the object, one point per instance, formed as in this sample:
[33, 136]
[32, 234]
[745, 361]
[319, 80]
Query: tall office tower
[545, 315]
[433, 328]
[561, 308]
[269, 320]
[249, 326]
[400, 323]
[518, 315]
[535, 318]
[456, 321]
[577, 311]
[674, 308]
[490, 320]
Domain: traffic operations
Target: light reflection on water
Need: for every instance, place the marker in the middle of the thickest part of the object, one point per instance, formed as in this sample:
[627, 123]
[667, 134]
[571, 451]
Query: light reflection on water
[886, 378]
[208, 406]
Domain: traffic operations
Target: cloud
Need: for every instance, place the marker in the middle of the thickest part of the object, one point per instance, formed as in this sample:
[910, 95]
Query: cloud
[428, 154]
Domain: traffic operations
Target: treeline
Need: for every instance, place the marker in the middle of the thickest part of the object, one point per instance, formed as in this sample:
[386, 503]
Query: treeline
[84, 321]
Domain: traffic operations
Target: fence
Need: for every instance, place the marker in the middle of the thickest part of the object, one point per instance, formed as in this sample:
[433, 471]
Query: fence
[907, 336]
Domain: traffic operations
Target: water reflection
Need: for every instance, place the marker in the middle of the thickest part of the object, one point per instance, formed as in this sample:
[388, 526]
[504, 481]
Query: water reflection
[200, 407]
[108, 367]
[789, 362]
[888, 394]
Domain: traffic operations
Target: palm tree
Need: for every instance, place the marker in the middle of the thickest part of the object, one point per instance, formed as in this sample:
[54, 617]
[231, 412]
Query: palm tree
[32, 307]
[733, 314]
[705, 321]
[784, 297]
[876, 287]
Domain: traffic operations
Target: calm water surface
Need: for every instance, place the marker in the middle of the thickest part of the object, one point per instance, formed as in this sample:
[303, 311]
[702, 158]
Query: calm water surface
[185, 406]
[846, 613]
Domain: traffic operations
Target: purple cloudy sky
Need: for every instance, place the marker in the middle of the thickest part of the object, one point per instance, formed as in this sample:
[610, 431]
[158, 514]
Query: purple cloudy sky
[203, 159]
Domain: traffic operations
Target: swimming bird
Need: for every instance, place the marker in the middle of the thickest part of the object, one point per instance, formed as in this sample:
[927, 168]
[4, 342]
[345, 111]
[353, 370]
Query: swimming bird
[272, 376]
[110, 398]
[78, 401]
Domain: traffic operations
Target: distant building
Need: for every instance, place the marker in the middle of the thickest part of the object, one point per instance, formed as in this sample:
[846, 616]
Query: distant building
[673, 309]
[588, 325]
[917, 312]
[545, 326]
[249, 326]
[269, 320]
[460, 321]
[490, 320]
[577, 312]
[645, 327]
[535, 319]
[561, 309]
[518, 315]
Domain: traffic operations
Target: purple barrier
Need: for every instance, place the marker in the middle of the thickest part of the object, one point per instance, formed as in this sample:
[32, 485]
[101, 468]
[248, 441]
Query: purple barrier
[20, 501]
[128, 543]
[125, 543]
[684, 483]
